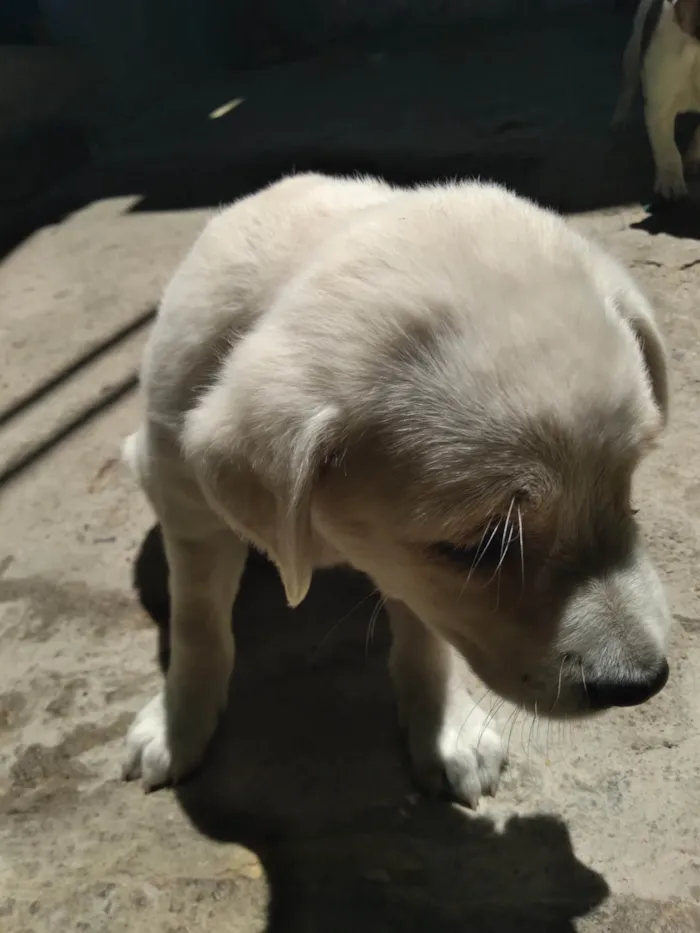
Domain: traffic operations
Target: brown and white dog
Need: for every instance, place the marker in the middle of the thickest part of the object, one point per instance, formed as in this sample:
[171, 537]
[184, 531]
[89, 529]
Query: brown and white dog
[446, 388]
[664, 49]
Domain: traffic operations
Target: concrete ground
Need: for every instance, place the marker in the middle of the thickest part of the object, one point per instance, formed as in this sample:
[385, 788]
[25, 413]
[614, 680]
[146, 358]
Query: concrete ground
[303, 817]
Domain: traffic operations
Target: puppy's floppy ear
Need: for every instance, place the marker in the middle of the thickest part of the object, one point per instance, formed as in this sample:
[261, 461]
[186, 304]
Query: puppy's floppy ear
[623, 297]
[257, 440]
[637, 312]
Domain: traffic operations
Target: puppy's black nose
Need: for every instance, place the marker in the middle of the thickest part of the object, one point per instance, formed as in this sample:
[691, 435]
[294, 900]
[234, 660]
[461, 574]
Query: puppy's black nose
[602, 694]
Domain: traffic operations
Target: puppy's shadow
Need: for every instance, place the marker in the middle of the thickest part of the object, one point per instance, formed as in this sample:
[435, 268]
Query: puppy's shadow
[306, 772]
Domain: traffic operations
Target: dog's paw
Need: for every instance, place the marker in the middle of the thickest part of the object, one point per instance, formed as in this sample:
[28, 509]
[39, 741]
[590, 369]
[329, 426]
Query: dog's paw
[466, 766]
[670, 184]
[170, 735]
[474, 770]
[147, 748]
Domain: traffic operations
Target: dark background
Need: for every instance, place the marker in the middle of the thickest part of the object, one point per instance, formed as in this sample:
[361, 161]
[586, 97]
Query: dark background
[101, 98]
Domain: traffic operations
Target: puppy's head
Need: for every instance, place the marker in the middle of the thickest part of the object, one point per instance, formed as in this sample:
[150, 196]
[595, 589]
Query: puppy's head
[476, 460]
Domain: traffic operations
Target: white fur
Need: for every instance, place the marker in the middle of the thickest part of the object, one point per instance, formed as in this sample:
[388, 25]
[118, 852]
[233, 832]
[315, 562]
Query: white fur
[670, 74]
[345, 372]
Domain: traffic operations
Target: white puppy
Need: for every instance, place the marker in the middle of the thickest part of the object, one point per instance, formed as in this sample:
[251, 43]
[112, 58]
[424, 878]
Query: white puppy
[449, 390]
[665, 49]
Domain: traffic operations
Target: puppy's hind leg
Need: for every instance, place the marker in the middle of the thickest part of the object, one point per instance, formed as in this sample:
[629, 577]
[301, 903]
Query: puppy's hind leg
[449, 740]
[205, 563]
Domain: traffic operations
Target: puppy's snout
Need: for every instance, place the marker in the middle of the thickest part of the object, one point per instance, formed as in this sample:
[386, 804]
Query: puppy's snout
[603, 694]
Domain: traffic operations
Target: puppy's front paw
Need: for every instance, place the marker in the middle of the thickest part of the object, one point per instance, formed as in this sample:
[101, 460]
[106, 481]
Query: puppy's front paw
[170, 735]
[147, 749]
[474, 769]
[466, 763]
[670, 183]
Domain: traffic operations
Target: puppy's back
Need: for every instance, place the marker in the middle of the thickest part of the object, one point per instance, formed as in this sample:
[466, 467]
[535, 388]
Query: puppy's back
[232, 274]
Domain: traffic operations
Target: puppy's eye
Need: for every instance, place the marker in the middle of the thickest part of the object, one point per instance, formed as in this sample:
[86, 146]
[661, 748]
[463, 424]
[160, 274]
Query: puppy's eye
[456, 554]
[488, 552]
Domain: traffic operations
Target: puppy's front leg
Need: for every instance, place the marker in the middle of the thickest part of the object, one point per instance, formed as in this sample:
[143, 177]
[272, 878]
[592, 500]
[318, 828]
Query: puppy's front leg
[170, 735]
[447, 734]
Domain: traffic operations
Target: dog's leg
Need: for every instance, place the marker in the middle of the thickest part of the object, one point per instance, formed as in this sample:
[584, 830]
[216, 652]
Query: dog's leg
[448, 736]
[665, 79]
[170, 735]
[661, 124]
[205, 563]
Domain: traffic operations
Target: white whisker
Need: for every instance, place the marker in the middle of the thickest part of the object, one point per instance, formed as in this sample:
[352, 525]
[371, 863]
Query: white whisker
[483, 548]
[529, 736]
[372, 623]
[340, 621]
[506, 540]
[489, 719]
[474, 707]
[583, 679]
[522, 547]
[510, 533]
[522, 732]
[514, 717]
[561, 673]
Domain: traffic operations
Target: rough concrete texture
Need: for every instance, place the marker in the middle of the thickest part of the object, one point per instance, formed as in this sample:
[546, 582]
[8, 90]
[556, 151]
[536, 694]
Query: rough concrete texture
[303, 817]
